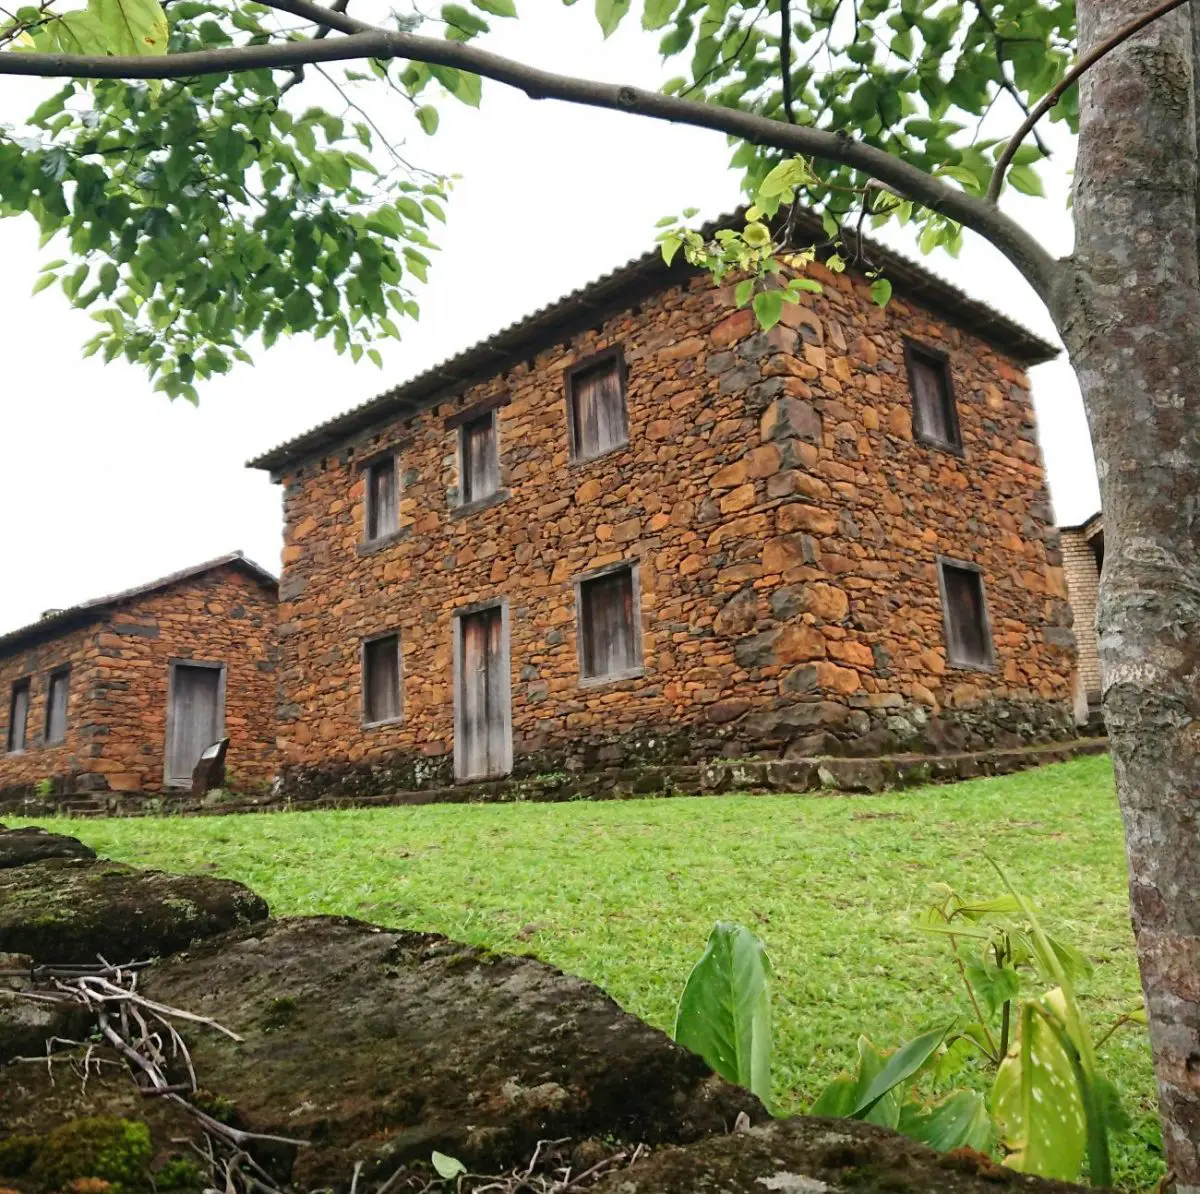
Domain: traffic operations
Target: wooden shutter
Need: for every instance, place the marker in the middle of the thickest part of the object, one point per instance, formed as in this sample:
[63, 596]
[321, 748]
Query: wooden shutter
[381, 681]
[195, 718]
[381, 499]
[480, 459]
[56, 707]
[967, 640]
[934, 413]
[18, 715]
[608, 625]
[598, 419]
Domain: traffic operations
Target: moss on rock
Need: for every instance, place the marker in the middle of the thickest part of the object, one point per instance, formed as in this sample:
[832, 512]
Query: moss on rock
[113, 1150]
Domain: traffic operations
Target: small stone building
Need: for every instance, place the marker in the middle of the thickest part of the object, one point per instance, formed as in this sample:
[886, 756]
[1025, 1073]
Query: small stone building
[123, 693]
[1083, 557]
[634, 529]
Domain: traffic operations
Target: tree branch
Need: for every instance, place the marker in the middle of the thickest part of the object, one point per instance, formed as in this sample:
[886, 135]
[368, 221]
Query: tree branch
[1038, 266]
[1051, 98]
[785, 58]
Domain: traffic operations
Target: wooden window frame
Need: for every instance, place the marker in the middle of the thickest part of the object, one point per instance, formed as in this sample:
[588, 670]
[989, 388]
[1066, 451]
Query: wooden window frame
[634, 671]
[172, 667]
[362, 678]
[914, 350]
[988, 665]
[457, 617]
[366, 467]
[25, 683]
[477, 410]
[614, 354]
[54, 674]
[497, 494]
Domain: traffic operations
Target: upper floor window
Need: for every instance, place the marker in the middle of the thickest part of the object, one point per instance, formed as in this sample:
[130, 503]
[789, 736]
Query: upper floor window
[18, 716]
[381, 679]
[610, 641]
[964, 613]
[381, 513]
[596, 414]
[56, 706]
[935, 414]
[478, 459]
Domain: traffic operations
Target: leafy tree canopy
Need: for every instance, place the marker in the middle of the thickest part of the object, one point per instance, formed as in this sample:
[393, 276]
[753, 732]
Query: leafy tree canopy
[194, 213]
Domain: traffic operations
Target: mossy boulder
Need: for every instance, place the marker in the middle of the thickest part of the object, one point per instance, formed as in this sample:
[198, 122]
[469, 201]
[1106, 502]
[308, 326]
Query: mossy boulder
[19, 847]
[71, 910]
[103, 1148]
[809, 1155]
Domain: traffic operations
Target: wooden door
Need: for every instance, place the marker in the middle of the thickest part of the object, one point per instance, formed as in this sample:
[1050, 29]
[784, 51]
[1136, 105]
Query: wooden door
[194, 718]
[484, 721]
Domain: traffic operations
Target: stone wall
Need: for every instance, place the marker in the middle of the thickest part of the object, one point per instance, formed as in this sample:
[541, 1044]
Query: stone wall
[117, 703]
[786, 525]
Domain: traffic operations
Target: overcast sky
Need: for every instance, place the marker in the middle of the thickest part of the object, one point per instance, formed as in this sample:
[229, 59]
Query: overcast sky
[105, 484]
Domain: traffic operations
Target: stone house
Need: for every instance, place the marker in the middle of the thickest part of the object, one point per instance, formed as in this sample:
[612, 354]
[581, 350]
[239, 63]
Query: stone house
[1083, 557]
[123, 693]
[633, 529]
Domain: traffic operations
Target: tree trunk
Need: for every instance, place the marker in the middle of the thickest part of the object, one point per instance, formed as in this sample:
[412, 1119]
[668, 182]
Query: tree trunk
[1130, 315]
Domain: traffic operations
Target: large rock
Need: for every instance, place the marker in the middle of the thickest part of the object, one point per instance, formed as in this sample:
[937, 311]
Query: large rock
[21, 846]
[382, 1046]
[71, 910]
[809, 1155]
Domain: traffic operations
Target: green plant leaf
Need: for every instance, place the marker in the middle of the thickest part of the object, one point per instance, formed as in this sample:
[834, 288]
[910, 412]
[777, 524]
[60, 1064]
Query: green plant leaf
[837, 1099]
[1027, 181]
[768, 308]
[743, 291]
[497, 8]
[428, 119]
[448, 1168]
[610, 13]
[901, 1066]
[958, 1121]
[724, 1013]
[1037, 1103]
[132, 26]
[881, 292]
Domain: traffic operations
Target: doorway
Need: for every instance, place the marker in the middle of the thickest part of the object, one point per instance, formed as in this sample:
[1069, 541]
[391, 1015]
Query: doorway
[482, 693]
[195, 717]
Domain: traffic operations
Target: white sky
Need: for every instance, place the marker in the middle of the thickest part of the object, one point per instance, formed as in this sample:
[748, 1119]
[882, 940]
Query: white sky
[105, 484]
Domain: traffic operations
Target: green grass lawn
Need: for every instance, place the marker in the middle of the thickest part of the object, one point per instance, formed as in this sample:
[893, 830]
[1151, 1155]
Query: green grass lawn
[625, 893]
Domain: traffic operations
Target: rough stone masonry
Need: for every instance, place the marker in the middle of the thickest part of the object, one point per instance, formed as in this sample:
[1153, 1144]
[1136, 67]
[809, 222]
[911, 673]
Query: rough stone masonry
[785, 522]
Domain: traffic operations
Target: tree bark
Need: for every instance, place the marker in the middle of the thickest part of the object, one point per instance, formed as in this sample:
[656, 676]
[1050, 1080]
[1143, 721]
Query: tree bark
[1130, 316]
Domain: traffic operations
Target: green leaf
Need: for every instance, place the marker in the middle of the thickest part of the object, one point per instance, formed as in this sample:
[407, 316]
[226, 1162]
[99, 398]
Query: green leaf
[1026, 180]
[901, 1066]
[837, 1100]
[724, 1013]
[768, 308]
[610, 13]
[670, 246]
[497, 8]
[881, 292]
[44, 281]
[743, 291]
[428, 119]
[1036, 1100]
[657, 13]
[959, 1121]
[448, 1168]
[132, 26]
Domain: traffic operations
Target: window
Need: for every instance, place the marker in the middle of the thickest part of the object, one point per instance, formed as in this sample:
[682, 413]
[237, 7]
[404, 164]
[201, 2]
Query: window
[18, 716]
[56, 706]
[479, 459]
[381, 679]
[381, 498]
[964, 612]
[935, 416]
[596, 406]
[610, 646]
